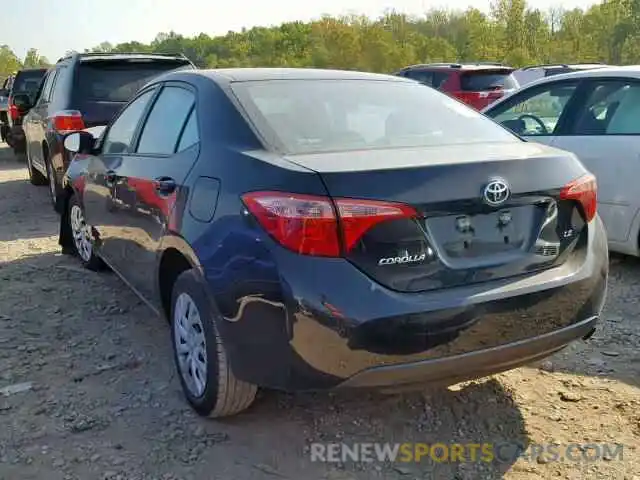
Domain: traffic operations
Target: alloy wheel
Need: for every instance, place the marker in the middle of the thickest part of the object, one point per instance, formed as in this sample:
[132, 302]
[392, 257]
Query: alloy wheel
[190, 345]
[81, 233]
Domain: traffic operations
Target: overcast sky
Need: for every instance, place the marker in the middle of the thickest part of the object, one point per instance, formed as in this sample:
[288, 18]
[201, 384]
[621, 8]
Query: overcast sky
[53, 27]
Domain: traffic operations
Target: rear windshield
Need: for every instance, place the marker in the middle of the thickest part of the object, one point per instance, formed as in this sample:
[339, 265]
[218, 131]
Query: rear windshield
[28, 81]
[308, 116]
[116, 81]
[483, 81]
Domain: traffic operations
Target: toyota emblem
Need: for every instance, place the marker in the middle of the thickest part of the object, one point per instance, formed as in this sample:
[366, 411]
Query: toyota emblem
[496, 192]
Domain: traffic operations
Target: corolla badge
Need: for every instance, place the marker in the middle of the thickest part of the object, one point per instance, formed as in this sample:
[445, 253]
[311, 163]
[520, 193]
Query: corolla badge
[496, 192]
[402, 260]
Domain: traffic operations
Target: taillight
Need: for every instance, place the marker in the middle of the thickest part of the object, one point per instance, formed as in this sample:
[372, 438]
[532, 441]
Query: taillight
[585, 191]
[67, 121]
[315, 225]
[303, 223]
[14, 113]
[359, 216]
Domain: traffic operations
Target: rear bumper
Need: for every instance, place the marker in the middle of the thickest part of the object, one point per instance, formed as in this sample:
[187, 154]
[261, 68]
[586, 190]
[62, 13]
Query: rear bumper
[304, 323]
[459, 368]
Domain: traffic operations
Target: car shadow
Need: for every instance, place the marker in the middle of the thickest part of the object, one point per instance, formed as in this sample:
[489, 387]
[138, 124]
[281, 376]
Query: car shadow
[478, 413]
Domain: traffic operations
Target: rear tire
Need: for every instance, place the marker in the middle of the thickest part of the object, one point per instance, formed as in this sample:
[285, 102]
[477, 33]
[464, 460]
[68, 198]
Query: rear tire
[200, 356]
[51, 181]
[35, 177]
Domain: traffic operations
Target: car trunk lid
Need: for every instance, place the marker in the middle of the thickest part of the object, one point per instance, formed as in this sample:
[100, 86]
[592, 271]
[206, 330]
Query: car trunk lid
[460, 235]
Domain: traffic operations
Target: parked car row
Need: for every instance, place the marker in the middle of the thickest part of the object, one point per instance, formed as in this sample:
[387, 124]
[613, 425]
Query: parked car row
[80, 91]
[393, 237]
[24, 84]
[476, 84]
[480, 84]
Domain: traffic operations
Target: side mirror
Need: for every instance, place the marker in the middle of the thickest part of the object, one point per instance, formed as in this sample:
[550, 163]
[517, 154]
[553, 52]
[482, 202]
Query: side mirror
[80, 142]
[22, 102]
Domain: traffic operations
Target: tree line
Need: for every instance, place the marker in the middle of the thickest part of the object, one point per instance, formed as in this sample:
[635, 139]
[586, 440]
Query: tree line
[513, 33]
[10, 63]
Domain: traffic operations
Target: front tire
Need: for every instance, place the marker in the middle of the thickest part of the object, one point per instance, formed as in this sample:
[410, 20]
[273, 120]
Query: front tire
[81, 236]
[200, 355]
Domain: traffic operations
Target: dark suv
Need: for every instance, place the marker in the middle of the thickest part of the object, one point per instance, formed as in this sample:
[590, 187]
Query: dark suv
[26, 84]
[84, 90]
[476, 84]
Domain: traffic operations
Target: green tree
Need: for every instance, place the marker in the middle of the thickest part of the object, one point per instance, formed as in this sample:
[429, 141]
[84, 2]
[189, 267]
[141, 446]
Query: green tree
[514, 32]
[9, 62]
[33, 59]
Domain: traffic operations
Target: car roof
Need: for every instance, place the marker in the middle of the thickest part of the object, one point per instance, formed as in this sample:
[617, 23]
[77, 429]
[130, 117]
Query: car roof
[459, 66]
[630, 71]
[102, 56]
[36, 69]
[230, 75]
[574, 66]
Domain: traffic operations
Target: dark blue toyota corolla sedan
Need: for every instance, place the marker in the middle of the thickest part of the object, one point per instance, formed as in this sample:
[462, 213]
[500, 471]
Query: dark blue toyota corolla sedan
[311, 229]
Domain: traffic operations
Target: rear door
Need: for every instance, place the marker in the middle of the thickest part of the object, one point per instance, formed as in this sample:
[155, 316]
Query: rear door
[537, 112]
[604, 131]
[150, 181]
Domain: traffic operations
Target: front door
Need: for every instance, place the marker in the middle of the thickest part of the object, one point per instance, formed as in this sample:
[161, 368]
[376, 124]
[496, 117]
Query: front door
[102, 179]
[605, 134]
[149, 182]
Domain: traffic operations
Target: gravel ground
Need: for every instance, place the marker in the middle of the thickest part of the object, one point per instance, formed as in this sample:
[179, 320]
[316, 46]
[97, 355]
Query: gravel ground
[100, 399]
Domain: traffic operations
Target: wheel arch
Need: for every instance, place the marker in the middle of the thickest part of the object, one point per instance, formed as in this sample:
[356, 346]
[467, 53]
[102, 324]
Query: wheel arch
[174, 257]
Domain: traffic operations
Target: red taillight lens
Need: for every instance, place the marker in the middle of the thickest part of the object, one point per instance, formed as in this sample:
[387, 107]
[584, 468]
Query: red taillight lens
[13, 110]
[67, 121]
[585, 191]
[305, 224]
[308, 224]
[358, 216]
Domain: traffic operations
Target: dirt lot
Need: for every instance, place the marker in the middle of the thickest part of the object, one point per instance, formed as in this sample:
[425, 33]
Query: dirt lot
[100, 399]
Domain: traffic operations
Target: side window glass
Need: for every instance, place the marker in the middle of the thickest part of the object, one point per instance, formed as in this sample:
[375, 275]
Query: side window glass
[190, 135]
[613, 108]
[46, 88]
[164, 124]
[52, 87]
[439, 78]
[120, 135]
[537, 112]
[420, 76]
[59, 82]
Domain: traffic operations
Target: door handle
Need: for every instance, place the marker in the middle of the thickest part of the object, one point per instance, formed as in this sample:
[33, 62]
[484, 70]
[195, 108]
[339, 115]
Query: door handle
[164, 185]
[110, 178]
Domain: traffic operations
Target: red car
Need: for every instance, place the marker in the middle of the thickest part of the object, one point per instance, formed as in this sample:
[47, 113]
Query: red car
[476, 84]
